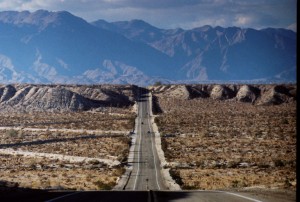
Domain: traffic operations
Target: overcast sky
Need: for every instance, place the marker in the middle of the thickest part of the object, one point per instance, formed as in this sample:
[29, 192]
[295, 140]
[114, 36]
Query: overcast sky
[174, 13]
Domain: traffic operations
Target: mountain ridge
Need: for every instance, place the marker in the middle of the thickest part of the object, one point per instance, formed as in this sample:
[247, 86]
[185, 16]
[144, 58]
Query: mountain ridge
[67, 98]
[59, 98]
[58, 47]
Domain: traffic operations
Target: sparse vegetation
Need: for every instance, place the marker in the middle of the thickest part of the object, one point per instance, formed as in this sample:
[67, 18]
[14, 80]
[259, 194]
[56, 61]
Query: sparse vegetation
[120, 119]
[44, 173]
[12, 133]
[104, 185]
[84, 134]
[223, 144]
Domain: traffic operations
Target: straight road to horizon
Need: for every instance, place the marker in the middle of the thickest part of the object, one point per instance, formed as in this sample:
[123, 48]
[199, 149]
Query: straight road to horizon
[146, 173]
[145, 182]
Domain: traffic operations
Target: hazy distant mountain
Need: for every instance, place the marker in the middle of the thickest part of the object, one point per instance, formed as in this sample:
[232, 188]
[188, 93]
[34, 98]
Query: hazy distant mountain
[218, 53]
[58, 47]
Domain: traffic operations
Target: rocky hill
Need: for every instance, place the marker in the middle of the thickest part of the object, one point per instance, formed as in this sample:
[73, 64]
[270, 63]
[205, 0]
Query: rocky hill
[255, 94]
[28, 97]
[33, 97]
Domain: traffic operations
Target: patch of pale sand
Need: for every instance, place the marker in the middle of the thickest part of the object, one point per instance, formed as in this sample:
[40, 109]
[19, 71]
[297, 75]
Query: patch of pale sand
[72, 159]
[135, 108]
[66, 130]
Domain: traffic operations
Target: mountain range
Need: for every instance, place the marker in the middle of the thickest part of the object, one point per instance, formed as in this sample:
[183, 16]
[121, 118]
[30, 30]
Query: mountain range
[58, 47]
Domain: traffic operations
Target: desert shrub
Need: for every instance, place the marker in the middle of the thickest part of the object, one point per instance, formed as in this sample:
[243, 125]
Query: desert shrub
[94, 162]
[278, 163]
[238, 184]
[235, 183]
[89, 177]
[176, 176]
[131, 123]
[104, 186]
[164, 146]
[285, 121]
[12, 133]
[189, 187]
[158, 121]
[119, 171]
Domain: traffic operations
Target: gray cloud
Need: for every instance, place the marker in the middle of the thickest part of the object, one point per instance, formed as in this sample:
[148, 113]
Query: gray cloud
[173, 13]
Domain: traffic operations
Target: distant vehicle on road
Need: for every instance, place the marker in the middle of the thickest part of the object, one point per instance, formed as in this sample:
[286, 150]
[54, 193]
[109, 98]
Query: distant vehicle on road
[142, 122]
[148, 132]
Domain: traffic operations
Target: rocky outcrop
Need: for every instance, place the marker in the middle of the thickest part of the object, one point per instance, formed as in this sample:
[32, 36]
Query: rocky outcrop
[270, 94]
[246, 94]
[221, 92]
[173, 91]
[198, 91]
[277, 95]
[64, 97]
[7, 92]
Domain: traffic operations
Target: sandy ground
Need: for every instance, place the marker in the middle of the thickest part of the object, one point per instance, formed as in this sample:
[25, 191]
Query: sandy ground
[72, 159]
[66, 130]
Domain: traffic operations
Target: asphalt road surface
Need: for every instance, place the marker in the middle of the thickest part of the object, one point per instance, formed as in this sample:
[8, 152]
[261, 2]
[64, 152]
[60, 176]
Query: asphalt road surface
[26, 195]
[155, 196]
[146, 173]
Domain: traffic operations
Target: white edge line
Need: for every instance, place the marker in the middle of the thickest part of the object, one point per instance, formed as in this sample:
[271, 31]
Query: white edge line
[150, 112]
[51, 200]
[241, 196]
[154, 159]
[139, 148]
[225, 192]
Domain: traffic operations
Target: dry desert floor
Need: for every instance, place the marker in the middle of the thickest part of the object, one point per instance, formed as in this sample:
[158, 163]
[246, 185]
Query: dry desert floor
[72, 150]
[216, 144]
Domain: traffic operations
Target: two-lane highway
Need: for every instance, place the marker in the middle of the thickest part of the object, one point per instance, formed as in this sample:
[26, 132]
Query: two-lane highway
[144, 181]
[146, 173]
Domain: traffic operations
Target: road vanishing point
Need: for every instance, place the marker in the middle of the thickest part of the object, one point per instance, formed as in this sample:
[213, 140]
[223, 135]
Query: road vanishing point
[144, 181]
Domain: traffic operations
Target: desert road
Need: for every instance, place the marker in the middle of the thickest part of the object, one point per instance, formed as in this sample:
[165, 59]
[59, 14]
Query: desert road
[146, 173]
[145, 182]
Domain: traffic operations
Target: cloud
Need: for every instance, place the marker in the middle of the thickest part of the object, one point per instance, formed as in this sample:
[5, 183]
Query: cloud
[243, 20]
[23, 5]
[292, 27]
[173, 13]
[152, 4]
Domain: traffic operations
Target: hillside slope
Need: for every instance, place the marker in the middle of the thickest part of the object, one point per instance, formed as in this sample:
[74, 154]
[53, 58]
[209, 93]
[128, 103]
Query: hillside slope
[255, 94]
[58, 98]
